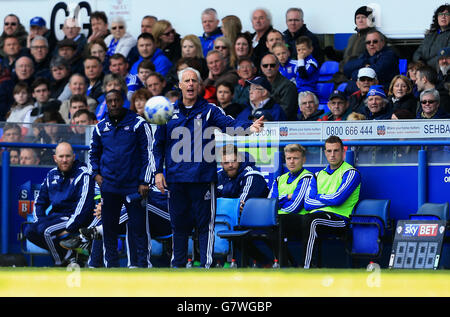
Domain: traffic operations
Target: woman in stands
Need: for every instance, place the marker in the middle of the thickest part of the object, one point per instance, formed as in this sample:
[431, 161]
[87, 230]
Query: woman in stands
[400, 94]
[436, 38]
[119, 41]
[167, 39]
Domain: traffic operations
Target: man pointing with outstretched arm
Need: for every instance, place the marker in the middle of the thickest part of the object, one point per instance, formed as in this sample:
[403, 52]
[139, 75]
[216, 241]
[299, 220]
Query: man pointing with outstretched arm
[185, 147]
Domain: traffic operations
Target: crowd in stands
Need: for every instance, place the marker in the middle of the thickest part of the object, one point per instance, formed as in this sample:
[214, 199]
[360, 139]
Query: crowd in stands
[248, 73]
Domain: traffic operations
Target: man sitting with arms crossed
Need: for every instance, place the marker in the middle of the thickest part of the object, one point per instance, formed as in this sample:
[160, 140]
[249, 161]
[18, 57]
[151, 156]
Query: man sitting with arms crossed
[330, 199]
[290, 189]
[239, 177]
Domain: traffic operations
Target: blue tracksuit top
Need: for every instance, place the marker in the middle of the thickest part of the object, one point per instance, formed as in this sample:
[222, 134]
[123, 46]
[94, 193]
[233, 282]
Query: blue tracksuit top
[307, 74]
[289, 70]
[161, 62]
[121, 153]
[248, 183]
[182, 148]
[71, 194]
[207, 41]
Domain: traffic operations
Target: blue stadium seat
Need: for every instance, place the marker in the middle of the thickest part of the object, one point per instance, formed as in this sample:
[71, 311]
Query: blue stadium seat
[327, 70]
[342, 87]
[403, 66]
[432, 211]
[258, 221]
[324, 90]
[227, 217]
[368, 225]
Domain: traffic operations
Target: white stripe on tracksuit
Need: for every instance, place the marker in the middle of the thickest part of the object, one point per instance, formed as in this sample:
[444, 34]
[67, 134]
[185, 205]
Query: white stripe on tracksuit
[49, 240]
[313, 235]
[210, 249]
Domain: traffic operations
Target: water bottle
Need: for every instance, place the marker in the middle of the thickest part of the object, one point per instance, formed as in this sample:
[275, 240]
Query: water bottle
[233, 264]
[276, 265]
[189, 264]
[255, 266]
[218, 265]
[133, 197]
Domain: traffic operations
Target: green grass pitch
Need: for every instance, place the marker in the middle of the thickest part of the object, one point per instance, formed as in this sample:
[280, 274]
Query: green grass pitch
[74, 282]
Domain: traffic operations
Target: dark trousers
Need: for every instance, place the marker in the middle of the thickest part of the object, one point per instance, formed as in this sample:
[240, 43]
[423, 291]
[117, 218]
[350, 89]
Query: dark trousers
[192, 205]
[44, 234]
[316, 224]
[137, 230]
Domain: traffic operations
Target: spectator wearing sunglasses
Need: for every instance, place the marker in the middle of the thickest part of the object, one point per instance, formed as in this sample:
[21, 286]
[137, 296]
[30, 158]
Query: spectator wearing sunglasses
[119, 41]
[284, 92]
[430, 100]
[13, 27]
[378, 56]
[436, 37]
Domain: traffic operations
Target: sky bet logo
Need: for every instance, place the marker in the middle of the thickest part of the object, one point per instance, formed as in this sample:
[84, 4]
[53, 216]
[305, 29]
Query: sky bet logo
[418, 230]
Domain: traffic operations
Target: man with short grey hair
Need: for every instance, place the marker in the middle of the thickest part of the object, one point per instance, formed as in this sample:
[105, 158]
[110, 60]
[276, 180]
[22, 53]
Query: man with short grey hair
[262, 24]
[296, 28]
[191, 172]
[210, 24]
[309, 107]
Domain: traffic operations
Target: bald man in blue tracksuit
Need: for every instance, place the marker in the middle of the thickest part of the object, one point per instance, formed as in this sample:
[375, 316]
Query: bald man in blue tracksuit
[64, 204]
[185, 145]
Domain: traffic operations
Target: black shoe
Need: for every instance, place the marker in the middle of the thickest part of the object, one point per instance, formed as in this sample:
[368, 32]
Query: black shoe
[90, 233]
[72, 243]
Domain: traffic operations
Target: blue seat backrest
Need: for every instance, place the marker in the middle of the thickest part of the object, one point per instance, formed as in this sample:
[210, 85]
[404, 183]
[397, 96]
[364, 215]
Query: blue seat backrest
[259, 212]
[327, 70]
[229, 208]
[324, 90]
[342, 87]
[439, 210]
[373, 207]
[403, 66]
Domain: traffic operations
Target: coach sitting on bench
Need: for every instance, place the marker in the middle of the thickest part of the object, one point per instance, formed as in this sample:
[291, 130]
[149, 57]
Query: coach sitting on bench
[65, 203]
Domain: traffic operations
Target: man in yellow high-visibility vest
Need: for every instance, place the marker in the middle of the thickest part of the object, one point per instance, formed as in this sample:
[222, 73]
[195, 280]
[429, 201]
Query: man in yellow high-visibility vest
[331, 198]
[290, 189]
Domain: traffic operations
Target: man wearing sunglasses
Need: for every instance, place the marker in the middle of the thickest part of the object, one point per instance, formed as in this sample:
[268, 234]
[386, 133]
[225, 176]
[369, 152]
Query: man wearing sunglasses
[13, 27]
[378, 56]
[284, 92]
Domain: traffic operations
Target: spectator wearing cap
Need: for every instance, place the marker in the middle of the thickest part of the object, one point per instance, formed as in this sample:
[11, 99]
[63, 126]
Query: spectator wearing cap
[38, 27]
[377, 105]
[378, 56]
[260, 99]
[443, 67]
[430, 100]
[67, 49]
[356, 43]
[284, 92]
[309, 107]
[366, 78]
[339, 107]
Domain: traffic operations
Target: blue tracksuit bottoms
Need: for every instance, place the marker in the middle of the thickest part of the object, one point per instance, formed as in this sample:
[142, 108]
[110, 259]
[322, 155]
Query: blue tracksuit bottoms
[192, 205]
[137, 229]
